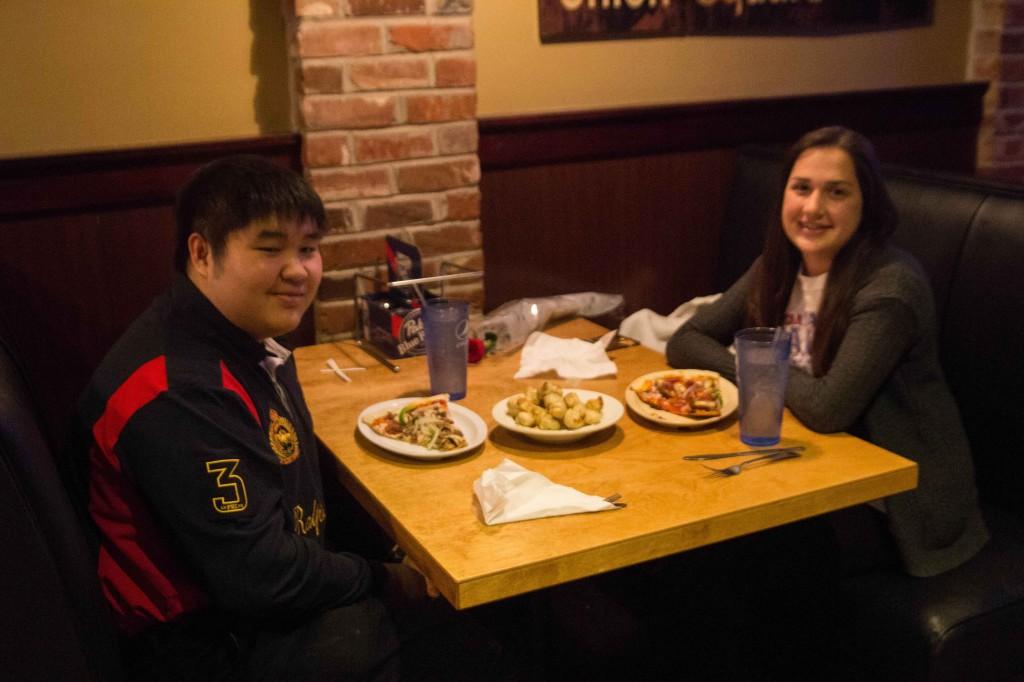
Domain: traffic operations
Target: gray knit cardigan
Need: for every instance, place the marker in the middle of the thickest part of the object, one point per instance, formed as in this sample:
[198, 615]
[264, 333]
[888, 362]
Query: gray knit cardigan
[886, 386]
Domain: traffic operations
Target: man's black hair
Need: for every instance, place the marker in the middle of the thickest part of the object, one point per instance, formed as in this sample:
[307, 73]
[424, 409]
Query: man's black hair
[230, 193]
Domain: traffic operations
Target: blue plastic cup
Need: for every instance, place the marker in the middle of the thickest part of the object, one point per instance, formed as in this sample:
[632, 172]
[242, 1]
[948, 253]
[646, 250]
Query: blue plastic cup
[446, 335]
[762, 368]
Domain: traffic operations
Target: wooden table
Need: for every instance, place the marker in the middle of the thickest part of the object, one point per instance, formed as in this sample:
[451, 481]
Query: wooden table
[428, 507]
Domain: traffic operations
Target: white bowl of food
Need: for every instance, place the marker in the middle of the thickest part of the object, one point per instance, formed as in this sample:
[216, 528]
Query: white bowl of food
[538, 415]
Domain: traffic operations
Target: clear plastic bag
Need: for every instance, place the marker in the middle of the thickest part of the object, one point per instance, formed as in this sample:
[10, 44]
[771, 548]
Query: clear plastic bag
[510, 323]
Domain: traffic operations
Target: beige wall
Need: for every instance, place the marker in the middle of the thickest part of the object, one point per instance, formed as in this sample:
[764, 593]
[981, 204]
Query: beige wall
[517, 75]
[82, 75]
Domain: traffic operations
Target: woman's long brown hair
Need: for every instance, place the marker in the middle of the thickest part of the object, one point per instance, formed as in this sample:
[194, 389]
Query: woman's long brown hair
[780, 262]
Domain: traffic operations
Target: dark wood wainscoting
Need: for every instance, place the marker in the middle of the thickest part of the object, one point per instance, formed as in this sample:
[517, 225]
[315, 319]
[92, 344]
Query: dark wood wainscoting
[87, 244]
[630, 201]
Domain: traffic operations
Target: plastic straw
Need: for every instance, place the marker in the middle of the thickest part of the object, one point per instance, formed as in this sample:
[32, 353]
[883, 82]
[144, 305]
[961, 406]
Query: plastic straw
[337, 370]
[776, 340]
[419, 293]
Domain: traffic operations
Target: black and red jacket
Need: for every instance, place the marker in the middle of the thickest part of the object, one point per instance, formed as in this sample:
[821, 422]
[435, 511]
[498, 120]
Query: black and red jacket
[203, 477]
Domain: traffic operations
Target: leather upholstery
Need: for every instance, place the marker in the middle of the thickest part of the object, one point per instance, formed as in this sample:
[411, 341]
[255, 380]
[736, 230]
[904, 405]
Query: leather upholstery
[967, 624]
[55, 624]
[934, 219]
[982, 344]
[751, 207]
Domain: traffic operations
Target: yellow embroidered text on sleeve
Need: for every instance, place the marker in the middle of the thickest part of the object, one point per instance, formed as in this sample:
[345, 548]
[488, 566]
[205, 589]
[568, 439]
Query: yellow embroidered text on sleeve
[304, 525]
[234, 498]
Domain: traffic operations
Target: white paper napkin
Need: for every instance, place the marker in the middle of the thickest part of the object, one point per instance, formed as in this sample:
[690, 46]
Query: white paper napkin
[569, 358]
[509, 492]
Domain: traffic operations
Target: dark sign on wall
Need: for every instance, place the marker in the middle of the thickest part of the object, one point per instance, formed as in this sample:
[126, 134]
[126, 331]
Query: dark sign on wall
[568, 20]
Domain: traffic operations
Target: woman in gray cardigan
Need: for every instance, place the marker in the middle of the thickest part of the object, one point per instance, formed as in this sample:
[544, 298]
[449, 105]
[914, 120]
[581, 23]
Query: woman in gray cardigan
[863, 322]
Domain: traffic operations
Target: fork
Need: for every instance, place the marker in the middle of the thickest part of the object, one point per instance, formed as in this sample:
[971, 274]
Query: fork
[735, 469]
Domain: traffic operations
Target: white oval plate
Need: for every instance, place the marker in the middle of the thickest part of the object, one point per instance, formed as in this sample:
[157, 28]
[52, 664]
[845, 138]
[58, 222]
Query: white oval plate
[467, 421]
[611, 412]
[730, 400]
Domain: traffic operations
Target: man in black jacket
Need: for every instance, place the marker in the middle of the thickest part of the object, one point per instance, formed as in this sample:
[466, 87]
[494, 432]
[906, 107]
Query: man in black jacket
[204, 480]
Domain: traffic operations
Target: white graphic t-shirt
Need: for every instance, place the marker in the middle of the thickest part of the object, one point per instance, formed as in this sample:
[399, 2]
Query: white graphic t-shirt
[801, 316]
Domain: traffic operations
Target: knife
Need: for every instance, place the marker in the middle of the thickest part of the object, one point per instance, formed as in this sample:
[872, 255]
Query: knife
[373, 352]
[740, 453]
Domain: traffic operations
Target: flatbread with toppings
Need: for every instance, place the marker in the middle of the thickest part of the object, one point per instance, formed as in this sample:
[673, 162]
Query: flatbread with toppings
[668, 403]
[421, 422]
[696, 396]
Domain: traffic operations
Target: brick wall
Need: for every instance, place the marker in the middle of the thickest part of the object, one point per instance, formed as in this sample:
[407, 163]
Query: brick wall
[386, 103]
[997, 55]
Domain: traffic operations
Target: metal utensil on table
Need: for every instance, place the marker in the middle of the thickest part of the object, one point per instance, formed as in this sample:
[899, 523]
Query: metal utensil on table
[373, 352]
[737, 469]
[740, 453]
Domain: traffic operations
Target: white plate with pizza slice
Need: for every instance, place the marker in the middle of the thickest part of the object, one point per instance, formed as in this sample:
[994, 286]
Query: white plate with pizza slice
[682, 398]
[468, 423]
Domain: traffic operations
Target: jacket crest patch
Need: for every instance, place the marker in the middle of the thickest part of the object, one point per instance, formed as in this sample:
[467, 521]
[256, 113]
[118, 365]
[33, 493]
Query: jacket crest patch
[283, 439]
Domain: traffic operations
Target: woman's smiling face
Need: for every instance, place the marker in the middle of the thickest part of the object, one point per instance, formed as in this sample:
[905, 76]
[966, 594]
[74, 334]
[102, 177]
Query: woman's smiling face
[822, 206]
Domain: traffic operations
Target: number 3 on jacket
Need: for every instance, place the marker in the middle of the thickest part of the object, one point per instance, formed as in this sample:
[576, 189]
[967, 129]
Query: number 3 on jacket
[234, 499]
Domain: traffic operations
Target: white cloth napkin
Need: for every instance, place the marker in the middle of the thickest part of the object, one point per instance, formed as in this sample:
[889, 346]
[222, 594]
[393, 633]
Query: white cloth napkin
[509, 492]
[569, 358]
[654, 330]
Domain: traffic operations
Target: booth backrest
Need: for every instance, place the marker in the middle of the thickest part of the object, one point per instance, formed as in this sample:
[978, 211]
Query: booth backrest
[982, 343]
[55, 622]
[968, 235]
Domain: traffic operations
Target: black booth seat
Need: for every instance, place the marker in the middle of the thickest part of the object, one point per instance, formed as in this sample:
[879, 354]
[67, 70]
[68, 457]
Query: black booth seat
[964, 625]
[55, 624]
[967, 624]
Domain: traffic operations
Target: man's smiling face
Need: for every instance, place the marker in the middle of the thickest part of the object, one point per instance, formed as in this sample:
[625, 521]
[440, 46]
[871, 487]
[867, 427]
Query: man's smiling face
[265, 277]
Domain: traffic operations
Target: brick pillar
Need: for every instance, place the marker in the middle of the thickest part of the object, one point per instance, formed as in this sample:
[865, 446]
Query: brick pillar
[386, 103]
[997, 55]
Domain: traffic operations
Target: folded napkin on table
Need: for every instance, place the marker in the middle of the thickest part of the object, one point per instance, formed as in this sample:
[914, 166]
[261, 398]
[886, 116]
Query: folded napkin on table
[508, 492]
[569, 358]
[654, 330]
